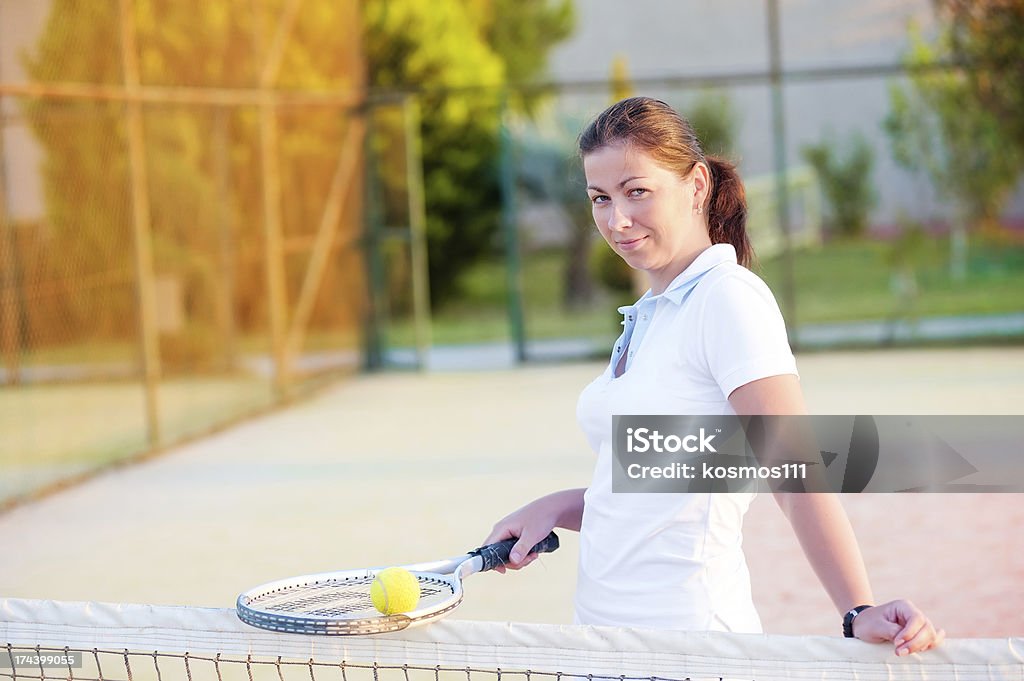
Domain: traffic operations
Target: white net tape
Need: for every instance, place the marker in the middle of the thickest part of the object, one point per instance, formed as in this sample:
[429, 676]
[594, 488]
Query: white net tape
[474, 649]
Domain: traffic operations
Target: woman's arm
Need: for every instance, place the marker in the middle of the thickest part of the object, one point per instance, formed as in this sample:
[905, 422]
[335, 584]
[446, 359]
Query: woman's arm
[827, 539]
[819, 520]
[533, 522]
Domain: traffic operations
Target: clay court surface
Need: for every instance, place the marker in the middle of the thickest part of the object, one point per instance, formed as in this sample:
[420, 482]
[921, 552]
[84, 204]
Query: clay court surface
[397, 468]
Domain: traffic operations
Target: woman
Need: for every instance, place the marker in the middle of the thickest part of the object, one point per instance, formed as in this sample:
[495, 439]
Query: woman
[707, 338]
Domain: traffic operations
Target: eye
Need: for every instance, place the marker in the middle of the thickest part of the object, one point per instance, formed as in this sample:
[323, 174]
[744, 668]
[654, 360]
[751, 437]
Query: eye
[598, 199]
[638, 191]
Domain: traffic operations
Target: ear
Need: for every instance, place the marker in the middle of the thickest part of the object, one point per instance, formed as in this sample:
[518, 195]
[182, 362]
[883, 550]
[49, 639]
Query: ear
[701, 186]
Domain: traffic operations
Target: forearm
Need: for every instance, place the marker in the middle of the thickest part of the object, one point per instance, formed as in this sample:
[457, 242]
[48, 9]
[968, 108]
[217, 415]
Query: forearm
[568, 506]
[826, 536]
[532, 522]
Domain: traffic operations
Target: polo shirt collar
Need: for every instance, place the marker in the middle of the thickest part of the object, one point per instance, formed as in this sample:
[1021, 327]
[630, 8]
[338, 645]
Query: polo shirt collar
[709, 258]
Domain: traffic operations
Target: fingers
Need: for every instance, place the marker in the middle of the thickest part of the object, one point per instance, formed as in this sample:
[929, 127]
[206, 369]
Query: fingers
[500, 569]
[916, 632]
[527, 526]
[524, 562]
[519, 557]
[521, 550]
[906, 640]
[924, 638]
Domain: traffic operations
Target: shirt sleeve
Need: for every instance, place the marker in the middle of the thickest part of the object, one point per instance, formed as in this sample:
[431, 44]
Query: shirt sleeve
[744, 335]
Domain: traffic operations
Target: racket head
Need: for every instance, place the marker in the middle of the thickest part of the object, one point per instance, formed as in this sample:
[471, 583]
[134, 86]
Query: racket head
[338, 603]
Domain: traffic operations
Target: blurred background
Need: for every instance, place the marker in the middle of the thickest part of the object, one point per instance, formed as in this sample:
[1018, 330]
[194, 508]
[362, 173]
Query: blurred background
[208, 210]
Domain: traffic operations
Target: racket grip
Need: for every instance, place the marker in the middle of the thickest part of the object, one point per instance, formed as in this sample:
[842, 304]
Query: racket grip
[497, 554]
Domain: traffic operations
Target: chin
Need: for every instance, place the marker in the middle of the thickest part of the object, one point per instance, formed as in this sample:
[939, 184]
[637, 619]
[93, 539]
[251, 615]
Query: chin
[637, 262]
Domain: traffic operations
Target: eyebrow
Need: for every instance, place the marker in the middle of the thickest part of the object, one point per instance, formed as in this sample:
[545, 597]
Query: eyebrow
[621, 184]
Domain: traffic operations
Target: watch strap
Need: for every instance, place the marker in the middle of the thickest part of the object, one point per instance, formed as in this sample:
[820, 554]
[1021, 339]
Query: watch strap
[849, 617]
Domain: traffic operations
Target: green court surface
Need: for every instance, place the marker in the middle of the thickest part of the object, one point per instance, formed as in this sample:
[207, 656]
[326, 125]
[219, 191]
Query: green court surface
[53, 432]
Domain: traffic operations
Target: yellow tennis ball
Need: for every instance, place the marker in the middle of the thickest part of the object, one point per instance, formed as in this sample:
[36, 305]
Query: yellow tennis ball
[395, 590]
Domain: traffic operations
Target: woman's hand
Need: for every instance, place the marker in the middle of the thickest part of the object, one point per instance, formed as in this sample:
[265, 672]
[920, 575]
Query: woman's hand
[901, 622]
[533, 522]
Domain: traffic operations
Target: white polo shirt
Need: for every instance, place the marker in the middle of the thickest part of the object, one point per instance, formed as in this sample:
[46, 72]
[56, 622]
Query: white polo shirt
[675, 561]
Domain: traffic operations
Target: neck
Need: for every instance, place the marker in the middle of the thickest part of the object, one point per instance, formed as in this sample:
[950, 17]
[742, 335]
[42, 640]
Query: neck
[660, 279]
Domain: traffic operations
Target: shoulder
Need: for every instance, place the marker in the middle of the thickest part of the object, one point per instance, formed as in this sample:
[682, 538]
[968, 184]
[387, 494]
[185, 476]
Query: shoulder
[732, 276]
[732, 287]
[743, 335]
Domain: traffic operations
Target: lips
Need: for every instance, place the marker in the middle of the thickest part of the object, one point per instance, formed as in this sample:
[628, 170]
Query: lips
[630, 244]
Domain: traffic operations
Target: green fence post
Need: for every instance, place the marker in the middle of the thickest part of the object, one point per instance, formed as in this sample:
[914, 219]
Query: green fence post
[372, 230]
[513, 264]
[417, 231]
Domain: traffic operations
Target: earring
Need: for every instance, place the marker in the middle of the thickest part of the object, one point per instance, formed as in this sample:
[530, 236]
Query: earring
[699, 210]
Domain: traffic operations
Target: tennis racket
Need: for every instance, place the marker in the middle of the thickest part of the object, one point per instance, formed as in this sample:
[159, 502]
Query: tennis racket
[338, 603]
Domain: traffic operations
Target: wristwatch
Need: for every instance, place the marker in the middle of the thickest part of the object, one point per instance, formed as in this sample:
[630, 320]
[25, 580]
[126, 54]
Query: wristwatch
[849, 617]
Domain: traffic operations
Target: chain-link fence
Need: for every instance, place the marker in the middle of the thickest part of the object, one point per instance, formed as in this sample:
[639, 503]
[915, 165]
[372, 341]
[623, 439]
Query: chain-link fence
[883, 209]
[174, 255]
[199, 224]
[865, 254]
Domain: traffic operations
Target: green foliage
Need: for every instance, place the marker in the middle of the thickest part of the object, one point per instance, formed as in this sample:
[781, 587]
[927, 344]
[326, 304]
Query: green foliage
[203, 163]
[845, 183]
[714, 120]
[939, 127]
[205, 181]
[522, 33]
[438, 46]
[986, 35]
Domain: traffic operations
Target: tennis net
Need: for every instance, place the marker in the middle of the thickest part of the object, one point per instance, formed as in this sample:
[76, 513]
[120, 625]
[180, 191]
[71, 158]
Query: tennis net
[106, 642]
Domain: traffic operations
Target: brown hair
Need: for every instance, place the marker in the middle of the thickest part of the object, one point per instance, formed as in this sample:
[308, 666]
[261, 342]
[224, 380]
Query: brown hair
[655, 128]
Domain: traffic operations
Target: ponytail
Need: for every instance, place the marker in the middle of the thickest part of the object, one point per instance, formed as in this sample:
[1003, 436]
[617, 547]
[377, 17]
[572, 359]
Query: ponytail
[727, 209]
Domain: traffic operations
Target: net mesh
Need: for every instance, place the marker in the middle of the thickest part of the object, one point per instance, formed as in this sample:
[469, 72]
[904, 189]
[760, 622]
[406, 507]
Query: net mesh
[136, 643]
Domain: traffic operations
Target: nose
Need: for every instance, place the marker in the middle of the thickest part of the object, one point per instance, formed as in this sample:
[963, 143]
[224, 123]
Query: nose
[617, 219]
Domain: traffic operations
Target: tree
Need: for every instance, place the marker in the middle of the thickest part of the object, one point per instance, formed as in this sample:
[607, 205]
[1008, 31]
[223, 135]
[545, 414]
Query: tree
[939, 127]
[845, 183]
[459, 55]
[522, 33]
[985, 35]
[204, 162]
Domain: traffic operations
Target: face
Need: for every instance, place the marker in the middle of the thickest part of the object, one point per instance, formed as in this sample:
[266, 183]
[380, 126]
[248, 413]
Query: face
[646, 212]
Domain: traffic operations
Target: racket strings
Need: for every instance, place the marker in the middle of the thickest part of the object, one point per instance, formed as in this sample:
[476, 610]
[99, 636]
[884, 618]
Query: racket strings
[341, 598]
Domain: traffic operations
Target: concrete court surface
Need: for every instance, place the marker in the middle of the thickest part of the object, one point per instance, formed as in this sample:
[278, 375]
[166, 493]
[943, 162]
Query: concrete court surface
[389, 469]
